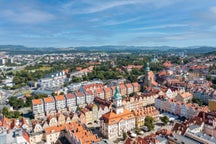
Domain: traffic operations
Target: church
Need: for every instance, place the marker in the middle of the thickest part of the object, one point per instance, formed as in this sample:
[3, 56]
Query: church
[149, 81]
[118, 120]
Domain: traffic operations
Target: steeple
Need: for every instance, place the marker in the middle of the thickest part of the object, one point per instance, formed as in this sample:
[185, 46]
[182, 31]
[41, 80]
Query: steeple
[117, 94]
[147, 69]
[117, 102]
[147, 82]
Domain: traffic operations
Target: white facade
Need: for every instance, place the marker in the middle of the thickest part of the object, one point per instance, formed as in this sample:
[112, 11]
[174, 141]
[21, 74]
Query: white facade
[89, 98]
[60, 104]
[71, 102]
[184, 111]
[49, 107]
[37, 109]
[80, 100]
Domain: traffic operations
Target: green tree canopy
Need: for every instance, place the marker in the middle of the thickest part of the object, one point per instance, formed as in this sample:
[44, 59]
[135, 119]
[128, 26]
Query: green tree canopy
[149, 122]
[164, 119]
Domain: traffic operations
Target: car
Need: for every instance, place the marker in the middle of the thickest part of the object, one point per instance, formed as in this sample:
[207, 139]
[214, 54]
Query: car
[145, 129]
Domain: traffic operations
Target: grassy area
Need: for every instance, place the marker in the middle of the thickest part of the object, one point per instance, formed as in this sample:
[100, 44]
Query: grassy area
[43, 68]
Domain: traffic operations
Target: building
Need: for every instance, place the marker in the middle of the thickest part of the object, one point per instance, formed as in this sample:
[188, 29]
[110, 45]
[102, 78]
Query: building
[49, 105]
[60, 103]
[71, 102]
[123, 89]
[88, 116]
[89, 97]
[136, 87]
[80, 97]
[94, 109]
[129, 88]
[149, 78]
[160, 137]
[140, 115]
[108, 93]
[139, 101]
[99, 93]
[187, 110]
[38, 108]
[212, 104]
[184, 97]
[117, 121]
[200, 128]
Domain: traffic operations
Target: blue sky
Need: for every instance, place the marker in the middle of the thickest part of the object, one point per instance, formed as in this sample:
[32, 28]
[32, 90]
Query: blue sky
[64, 23]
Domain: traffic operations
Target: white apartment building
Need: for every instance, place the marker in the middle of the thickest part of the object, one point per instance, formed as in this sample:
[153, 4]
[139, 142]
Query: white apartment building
[80, 98]
[89, 97]
[49, 105]
[60, 103]
[38, 107]
[71, 102]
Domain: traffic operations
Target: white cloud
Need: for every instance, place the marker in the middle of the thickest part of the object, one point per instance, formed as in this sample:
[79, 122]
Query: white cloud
[209, 14]
[27, 16]
[95, 6]
[122, 21]
[161, 27]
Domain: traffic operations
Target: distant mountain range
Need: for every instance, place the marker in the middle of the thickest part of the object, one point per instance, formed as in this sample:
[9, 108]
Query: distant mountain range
[19, 49]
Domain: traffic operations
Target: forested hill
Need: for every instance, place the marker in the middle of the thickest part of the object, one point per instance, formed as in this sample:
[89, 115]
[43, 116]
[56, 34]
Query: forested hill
[18, 49]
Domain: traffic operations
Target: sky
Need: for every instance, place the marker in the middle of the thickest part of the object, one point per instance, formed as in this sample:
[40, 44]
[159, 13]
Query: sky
[68, 23]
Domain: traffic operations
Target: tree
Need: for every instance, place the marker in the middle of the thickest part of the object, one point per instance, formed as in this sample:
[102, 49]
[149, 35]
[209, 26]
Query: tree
[124, 135]
[164, 119]
[61, 93]
[198, 101]
[5, 111]
[137, 130]
[132, 94]
[16, 114]
[149, 122]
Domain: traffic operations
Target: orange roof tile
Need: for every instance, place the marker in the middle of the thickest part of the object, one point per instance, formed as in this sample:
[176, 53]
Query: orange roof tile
[48, 100]
[122, 86]
[186, 94]
[107, 89]
[37, 101]
[99, 90]
[112, 118]
[60, 97]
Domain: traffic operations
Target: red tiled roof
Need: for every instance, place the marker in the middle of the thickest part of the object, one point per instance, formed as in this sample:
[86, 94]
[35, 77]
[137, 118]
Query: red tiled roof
[37, 101]
[70, 95]
[89, 92]
[79, 94]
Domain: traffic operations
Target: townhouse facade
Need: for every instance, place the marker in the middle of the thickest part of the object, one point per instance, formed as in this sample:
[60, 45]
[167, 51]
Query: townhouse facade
[60, 103]
[80, 98]
[49, 105]
[141, 113]
[187, 110]
[38, 108]
[89, 97]
[71, 102]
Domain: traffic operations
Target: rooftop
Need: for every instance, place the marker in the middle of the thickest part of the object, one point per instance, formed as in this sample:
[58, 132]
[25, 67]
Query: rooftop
[37, 101]
[60, 97]
[49, 99]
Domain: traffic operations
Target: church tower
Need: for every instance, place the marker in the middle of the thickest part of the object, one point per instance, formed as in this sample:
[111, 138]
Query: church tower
[147, 82]
[117, 102]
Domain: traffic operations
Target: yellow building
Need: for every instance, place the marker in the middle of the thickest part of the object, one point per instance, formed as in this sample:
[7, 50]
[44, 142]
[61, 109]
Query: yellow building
[212, 104]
